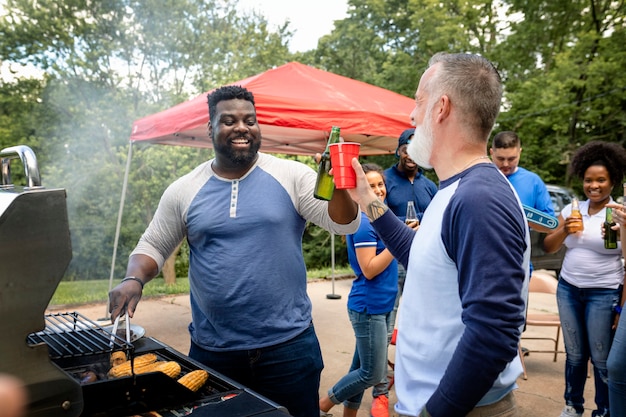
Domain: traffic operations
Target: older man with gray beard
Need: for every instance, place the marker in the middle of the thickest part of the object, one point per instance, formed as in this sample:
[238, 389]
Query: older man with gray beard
[468, 264]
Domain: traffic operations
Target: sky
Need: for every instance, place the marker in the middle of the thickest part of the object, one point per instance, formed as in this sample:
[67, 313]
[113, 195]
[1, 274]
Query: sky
[310, 20]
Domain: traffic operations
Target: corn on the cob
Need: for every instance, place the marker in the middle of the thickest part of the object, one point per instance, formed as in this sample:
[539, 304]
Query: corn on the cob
[139, 363]
[169, 368]
[194, 380]
[118, 358]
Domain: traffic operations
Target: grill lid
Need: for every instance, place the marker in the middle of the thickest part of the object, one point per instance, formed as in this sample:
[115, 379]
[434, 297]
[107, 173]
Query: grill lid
[35, 251]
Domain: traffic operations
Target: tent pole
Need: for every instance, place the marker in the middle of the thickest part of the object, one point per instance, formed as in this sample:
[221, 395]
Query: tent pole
[332, 296]
[119, 223]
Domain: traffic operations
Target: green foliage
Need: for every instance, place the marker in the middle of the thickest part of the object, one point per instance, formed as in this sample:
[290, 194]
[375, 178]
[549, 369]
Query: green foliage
[317, 248]
[564, 84]
[22, 114]
[106, 64]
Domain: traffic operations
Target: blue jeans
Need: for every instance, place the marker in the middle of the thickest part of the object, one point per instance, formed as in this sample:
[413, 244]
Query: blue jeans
[382, 388]
[616, 364]
[586, 317]
[369, 364]
[287, 373]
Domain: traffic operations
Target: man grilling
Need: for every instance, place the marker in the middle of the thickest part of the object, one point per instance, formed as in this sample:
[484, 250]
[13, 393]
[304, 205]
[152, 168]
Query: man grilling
[243, 214]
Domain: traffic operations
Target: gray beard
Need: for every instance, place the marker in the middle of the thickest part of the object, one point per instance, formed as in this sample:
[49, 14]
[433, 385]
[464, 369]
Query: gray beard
[421, 147]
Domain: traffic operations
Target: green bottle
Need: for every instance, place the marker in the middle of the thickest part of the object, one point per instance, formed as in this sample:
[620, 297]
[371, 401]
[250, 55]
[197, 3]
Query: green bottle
[324, 186]
[610, 235]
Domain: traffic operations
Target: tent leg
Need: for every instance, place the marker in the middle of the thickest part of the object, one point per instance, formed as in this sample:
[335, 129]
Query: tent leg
[332, 296]
[119, 224]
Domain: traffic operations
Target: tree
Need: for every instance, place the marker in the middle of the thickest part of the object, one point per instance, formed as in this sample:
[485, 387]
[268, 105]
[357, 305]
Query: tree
[561, 62]
[388, 43]
[107, 64]
[564, 83]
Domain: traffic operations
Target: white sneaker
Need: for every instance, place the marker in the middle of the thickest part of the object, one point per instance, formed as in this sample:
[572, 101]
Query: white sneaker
[570, 411]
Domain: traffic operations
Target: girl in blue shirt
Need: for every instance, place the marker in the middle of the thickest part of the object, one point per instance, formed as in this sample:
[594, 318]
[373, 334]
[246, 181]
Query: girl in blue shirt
[370, 304]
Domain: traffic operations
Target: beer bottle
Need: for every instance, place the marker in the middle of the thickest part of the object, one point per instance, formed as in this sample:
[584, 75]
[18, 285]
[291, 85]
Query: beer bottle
[324, 185]
[610, 235]
[578, 225]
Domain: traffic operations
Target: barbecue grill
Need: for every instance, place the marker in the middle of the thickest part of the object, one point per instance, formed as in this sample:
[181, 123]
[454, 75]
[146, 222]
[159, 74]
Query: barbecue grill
[63, 358]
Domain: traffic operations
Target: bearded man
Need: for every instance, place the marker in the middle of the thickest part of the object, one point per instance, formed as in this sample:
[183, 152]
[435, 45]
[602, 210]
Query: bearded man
[468, 263]
[243, 214]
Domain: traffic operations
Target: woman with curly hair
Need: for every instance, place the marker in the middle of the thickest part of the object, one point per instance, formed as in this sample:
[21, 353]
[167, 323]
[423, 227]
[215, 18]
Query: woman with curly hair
[591, 276]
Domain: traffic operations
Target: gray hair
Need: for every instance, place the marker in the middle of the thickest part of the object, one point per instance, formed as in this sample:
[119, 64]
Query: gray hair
[472, 84]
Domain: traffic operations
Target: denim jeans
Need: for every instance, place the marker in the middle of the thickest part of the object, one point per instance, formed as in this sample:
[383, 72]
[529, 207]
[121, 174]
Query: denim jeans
[369, 364]
[586, 318]
[616, 364]
[382, 388]
[287, 373]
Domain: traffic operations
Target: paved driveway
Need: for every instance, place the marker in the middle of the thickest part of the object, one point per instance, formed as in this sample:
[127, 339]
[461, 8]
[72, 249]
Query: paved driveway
[166, 319]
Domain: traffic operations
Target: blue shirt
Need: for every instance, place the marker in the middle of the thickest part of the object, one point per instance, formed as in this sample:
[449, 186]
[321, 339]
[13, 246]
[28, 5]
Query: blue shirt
[531, 190]
[400, 190]
[247, 277]
[376, 295]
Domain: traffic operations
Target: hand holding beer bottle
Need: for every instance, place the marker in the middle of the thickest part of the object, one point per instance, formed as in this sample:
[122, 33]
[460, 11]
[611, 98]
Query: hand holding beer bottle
[324, 186]
[576, 224]
[411, 215]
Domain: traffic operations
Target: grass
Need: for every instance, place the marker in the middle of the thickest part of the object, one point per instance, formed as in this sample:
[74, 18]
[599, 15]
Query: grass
[70, 293]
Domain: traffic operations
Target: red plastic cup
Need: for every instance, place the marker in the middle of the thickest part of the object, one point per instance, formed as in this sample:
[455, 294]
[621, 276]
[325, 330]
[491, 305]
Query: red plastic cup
[341, 155]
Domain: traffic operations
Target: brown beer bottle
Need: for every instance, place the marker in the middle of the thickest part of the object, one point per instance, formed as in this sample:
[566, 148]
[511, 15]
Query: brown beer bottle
[324, 186]
[610, 235]
[576, 226]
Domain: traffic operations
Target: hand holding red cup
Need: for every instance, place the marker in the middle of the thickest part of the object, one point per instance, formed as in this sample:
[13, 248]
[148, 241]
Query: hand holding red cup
[341, 155]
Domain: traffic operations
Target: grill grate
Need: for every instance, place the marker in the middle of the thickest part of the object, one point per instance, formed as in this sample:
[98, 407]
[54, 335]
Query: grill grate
[70, 335]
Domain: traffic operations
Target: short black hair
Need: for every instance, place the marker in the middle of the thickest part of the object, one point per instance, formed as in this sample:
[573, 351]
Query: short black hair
[227, 92]
[610, 155]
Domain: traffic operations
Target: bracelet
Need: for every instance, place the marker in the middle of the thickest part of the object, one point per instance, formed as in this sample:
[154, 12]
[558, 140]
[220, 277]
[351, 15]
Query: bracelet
[134, 279]
[617, 309]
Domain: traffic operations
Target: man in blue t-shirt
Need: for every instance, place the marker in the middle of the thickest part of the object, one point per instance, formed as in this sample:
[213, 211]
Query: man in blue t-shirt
[406, 181]
[505, 152]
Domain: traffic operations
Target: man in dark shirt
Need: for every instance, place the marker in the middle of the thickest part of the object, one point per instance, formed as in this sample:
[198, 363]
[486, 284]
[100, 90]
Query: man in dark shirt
[406, 181]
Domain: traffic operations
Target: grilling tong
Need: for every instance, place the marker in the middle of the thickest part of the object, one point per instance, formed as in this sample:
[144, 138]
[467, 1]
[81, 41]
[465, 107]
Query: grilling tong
[116, 324]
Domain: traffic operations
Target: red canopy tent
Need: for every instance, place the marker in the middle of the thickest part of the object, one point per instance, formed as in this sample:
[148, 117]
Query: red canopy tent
[296, 107]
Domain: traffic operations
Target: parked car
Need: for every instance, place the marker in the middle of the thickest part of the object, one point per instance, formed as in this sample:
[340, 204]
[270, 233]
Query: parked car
[561, 196]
